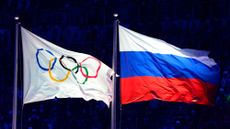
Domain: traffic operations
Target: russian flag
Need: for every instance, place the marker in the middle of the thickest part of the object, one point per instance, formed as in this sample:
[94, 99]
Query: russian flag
[153, 69]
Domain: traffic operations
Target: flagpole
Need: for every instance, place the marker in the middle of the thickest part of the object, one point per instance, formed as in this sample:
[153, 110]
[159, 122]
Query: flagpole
[114, 66]
[15, 90]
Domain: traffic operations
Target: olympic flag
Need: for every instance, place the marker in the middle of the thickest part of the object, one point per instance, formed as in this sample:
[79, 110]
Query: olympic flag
[51, 71]
[154, 69]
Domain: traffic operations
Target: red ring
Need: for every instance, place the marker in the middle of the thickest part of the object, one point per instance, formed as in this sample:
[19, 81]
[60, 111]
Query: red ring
[87, 76]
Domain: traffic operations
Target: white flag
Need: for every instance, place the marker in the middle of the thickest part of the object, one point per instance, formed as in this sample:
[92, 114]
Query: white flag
[51, 71]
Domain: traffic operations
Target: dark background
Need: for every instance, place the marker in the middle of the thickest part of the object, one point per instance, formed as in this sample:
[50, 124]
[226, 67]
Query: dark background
[87, 26]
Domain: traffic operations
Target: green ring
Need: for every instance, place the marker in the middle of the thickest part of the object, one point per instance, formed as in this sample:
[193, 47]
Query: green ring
[77, 67]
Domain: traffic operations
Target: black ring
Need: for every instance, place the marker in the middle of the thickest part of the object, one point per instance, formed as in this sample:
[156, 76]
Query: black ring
[69, 57]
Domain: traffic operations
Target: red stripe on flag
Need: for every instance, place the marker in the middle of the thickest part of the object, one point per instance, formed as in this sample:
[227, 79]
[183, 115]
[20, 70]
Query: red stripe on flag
[144, 88]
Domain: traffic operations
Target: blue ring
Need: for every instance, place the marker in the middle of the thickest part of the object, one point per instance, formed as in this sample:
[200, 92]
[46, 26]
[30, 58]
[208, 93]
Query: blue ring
[45, 69]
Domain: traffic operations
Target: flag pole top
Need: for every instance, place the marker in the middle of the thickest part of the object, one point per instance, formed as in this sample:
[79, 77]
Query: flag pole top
[16, 18]
[115, 15]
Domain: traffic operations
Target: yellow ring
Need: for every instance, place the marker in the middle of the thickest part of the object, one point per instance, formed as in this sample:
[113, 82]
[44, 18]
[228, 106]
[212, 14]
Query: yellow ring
[51, 76]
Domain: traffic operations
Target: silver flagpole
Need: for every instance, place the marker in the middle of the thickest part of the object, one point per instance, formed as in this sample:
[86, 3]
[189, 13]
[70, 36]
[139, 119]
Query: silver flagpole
[114, 66]
[15, 92]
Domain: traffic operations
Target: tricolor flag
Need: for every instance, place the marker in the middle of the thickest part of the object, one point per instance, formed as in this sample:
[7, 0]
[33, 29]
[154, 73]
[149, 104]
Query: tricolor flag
[153, 69]
[51, 71]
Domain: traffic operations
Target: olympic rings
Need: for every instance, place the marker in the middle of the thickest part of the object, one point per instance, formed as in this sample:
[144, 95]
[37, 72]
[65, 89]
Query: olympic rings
[77, 68]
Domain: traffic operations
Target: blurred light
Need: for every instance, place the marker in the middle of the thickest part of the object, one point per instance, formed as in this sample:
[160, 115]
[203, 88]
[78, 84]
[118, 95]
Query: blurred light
[177, 122]
[115, 15]
[16, 18]
[228, 98]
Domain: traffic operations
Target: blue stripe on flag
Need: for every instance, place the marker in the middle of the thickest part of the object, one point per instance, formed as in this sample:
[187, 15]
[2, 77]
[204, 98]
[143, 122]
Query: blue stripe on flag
[165, 65]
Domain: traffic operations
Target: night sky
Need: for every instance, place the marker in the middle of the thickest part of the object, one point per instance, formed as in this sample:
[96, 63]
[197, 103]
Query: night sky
[87, 26]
